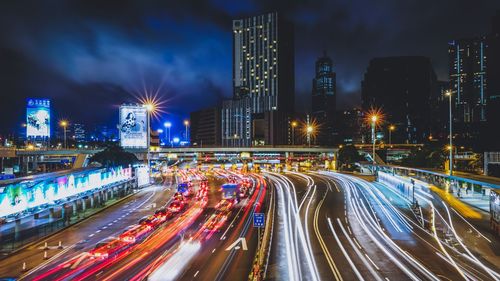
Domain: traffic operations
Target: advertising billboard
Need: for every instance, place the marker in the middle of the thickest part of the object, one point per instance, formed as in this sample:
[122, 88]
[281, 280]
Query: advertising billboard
[133, 126]
[38, 118]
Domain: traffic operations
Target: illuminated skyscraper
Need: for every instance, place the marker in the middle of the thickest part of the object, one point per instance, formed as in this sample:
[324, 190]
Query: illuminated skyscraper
[467, 69]
[324, 100]
[263, 74]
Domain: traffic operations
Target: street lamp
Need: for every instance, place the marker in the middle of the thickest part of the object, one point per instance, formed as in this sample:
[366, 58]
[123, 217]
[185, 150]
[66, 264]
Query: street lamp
[186, 123]
[448, 94]
[149, 109]
[168, 125]
[294, 124]
[391, 128]
[64, 124]
[159, 131]
[374, 119]
[309, 131]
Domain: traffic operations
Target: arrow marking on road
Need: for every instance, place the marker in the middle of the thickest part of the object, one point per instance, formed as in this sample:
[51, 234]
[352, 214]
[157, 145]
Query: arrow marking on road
[79, 260]
[235, 244]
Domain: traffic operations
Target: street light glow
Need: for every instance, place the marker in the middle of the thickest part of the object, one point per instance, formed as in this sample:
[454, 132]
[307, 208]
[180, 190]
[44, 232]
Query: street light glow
[186, 123]
[167, 124]
[63, 123]
[309, 129]
[149, 107]
[294, 124]
[392, 127]
[374, 118]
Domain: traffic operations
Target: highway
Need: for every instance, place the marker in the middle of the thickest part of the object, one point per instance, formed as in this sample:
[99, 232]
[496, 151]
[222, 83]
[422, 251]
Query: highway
[326, 226]
[177, 249]
[356, 233]
[84, 235]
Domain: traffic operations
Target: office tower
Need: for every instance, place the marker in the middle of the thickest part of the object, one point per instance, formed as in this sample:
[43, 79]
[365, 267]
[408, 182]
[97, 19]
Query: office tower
[205, 129]
[492, 136]
[401, 87]
[263, 74]
[324, 100]
[350, 126]
[467, 69]
[79, 132]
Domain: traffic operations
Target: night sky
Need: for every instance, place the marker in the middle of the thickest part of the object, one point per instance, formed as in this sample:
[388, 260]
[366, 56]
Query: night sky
[91, 56]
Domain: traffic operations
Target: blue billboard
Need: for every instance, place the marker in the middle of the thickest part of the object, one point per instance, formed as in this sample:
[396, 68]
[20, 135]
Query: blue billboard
[38, 118]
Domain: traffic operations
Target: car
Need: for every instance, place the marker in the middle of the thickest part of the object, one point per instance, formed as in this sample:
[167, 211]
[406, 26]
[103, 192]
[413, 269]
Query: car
[224, 205]
[135, 233]
[176, 206]
[108, 247]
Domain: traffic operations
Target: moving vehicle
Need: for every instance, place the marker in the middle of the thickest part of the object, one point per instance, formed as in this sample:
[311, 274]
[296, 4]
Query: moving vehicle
[185, 188]
[108, 247]
[176, 206]
[230, 191]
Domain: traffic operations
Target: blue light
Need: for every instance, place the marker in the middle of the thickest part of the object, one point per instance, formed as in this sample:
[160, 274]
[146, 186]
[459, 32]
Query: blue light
[176, 140]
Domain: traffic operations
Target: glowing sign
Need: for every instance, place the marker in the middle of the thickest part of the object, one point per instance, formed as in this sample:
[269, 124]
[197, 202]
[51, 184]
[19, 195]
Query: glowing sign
[133, 126]
[142, 174]
[38, 118]
[19, 197]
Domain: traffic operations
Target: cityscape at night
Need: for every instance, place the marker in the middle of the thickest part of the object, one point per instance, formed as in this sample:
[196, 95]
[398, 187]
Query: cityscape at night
[249, 140]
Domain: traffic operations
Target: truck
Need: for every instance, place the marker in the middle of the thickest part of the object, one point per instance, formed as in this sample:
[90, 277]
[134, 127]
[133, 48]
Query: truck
[185, 188]
[231, 191]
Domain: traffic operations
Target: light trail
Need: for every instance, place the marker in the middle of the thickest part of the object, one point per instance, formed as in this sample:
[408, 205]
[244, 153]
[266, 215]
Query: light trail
[173, 267]
[322, 243]
[301, 251]
[353, 266]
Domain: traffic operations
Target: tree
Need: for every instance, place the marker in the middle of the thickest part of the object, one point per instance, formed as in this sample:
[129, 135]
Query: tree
[114, 156]
[425, 158]
[348, 155]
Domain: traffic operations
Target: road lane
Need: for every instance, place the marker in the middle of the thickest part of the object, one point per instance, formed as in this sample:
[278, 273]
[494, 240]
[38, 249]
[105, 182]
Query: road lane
[85, 234]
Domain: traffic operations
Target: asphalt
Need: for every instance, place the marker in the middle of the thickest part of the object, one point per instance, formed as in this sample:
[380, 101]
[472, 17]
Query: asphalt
[83, 236]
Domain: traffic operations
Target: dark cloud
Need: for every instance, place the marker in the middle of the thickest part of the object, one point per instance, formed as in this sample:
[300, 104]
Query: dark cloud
[102, 53]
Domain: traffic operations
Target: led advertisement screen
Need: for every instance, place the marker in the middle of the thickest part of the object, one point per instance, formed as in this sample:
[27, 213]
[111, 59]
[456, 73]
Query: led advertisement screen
[24, 196]
[133, 126]
[38, 118]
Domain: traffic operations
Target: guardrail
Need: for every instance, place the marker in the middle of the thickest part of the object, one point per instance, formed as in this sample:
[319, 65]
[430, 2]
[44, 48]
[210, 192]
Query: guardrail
[261, 259]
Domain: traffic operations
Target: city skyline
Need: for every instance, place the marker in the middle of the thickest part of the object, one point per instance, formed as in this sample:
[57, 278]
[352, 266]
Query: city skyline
[82, 55]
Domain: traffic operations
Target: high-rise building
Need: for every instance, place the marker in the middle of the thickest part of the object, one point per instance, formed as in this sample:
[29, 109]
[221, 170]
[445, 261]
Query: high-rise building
[401, 87]
[79, 132]
[263, 74]
[324, 100]
[350, 126]
[467, 69]
[492, 135]
[205, 129]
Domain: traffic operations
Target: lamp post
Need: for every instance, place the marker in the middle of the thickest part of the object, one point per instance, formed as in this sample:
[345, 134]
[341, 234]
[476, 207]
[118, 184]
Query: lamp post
[160, 131]
[294, 124]
[374, 119]
[64, 124]
[448, 94]
[235, 137]
[391, 128]
[186, 123]
[167, 126]
[149, 108]
[309, 130]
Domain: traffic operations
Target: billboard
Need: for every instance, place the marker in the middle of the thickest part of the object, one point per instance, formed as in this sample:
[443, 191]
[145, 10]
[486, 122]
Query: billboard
[133, 126]
[37, 118]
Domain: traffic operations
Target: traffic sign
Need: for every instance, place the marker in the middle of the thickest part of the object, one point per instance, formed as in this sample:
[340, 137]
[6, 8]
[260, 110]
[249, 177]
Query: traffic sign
[258, 220]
